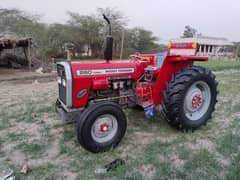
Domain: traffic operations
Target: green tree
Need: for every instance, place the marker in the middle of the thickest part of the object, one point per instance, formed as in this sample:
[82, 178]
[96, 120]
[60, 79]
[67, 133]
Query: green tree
[141, 40]
[90, 28]
[189, 32]
[11, 18]
[82, 30]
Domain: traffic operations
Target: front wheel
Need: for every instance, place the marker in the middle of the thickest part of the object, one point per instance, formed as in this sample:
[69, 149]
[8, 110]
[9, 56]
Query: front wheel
[101, 126]
[190, 98]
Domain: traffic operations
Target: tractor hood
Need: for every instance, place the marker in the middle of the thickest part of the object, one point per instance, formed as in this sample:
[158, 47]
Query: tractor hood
[87, 74]
[95, 69]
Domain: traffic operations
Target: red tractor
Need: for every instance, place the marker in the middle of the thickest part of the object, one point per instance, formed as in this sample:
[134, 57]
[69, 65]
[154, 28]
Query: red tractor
[94, 93]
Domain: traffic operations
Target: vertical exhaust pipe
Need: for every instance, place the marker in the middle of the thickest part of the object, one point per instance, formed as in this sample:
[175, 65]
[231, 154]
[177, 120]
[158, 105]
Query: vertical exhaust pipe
[109, 41]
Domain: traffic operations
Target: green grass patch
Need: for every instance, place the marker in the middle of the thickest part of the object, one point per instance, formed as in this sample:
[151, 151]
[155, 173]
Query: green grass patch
[46, 133]
[68, 136]
[28, 112]
[163, 171]
[1, 145]
[4, 119]
[158, 154]
[229, 85]
[183, 152]
[46, 109]
[229, 144]
[202, 165]
[160, 148]
[34, 150]
[217, 65]
[166, 152]
[236, 107]
[233, 172]
[16, 136]
[47, 172]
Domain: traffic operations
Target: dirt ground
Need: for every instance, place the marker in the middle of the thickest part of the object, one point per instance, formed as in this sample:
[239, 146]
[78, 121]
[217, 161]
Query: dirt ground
[23, 75]
[31, 132]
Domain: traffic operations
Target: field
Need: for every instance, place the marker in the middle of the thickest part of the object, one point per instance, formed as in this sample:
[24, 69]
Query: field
[220, 65]
[31, 132]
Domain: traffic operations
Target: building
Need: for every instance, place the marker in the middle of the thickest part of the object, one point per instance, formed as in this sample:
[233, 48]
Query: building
[11, 57]
[214, 47]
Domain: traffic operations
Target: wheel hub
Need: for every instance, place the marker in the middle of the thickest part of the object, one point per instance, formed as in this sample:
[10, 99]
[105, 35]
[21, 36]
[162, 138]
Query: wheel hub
[197, 101]
[194, 100]
[104, 128]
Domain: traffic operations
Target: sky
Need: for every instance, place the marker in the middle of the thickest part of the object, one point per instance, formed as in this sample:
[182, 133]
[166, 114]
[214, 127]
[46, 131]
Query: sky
[165, 18]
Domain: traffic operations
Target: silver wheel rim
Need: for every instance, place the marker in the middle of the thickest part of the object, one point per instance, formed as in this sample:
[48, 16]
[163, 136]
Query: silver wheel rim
[197, 100]
[104, 128]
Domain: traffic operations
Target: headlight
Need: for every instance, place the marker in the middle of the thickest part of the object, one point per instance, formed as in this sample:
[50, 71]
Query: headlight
[64, 82]
[59, 80]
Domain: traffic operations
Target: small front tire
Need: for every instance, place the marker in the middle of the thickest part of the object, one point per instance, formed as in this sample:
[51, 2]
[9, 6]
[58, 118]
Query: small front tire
[101, 127]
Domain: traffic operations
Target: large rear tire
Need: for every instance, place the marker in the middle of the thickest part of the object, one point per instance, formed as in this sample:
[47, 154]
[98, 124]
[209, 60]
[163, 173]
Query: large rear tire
[190, 98]
[101, 127]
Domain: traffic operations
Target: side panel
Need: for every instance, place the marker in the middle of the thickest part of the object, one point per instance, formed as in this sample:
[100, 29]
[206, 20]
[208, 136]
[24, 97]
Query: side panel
[80, 84]
[96, 69]
[85, 73]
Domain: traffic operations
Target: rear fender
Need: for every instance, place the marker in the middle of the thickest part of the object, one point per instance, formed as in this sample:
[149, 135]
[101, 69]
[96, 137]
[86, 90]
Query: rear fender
[171, 65]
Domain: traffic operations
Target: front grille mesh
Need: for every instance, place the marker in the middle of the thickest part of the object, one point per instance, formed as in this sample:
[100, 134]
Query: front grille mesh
[61, 89]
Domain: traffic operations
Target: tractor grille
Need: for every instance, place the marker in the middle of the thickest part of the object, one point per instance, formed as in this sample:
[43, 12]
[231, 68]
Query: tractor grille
[62, 90]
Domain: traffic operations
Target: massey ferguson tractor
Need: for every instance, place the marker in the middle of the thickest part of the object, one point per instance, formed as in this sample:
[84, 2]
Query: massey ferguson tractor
[94, 93]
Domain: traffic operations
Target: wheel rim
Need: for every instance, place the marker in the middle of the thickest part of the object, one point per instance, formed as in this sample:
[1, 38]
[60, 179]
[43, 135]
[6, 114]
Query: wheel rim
[104, 128]
[197, 100]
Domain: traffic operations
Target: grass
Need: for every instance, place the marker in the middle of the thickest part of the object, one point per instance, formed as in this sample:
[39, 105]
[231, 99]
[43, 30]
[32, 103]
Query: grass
[150, 148]
[69, 135]
[46, 172]
[4, 122]
[234, 169]
[183, 152]
[217, 65]
[16, 136]
[202, 165]
[34, 149]
[229, 144]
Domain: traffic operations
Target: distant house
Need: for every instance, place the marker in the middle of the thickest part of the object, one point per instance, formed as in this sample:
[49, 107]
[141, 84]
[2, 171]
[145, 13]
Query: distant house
[86, 51]
[214, 47]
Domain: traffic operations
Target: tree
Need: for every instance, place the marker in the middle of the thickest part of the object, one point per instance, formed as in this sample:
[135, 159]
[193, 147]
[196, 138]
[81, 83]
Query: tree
[141, 40]
[189, 32]
[90, 28]
[82, 30]
[11, 18]
[93, 29]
